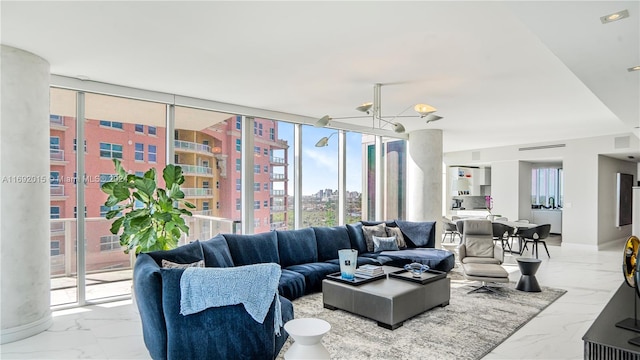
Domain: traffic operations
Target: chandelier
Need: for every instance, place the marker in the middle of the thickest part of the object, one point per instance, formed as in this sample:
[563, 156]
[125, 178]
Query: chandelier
[373, 110]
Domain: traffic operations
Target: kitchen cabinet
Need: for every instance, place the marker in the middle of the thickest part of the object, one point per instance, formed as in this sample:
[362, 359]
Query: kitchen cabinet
[470, 181]
[548, 216]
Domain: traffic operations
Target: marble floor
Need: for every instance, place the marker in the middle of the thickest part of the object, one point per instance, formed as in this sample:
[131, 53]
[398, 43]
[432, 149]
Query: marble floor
[113, 330]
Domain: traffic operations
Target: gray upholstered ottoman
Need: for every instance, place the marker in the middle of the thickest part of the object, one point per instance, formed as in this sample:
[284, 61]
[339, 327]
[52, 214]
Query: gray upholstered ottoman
[485, 273]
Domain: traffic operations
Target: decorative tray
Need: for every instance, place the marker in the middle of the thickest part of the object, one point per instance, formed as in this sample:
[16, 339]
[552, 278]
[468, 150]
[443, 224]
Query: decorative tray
[425, 278]
[357, 280]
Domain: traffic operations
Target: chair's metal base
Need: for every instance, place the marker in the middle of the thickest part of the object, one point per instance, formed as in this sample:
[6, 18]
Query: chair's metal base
[486, 288]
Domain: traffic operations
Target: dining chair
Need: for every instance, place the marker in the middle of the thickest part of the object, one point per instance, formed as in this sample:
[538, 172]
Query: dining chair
[450, 229]
[501, 233]
[536, 235]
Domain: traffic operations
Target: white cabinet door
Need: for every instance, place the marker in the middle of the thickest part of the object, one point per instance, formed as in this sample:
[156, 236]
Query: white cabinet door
[553, 217]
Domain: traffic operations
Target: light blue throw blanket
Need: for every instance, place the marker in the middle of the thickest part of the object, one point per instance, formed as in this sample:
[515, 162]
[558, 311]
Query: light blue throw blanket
[255, 286]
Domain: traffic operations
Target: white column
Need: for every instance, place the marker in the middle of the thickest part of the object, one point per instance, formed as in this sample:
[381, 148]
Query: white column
[424, 178]
[24, 194]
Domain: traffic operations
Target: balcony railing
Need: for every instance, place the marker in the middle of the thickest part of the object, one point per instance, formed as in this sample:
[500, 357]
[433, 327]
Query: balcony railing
[56, 154]
[277, 160]
[187, 145]
[277, 192]
[57, 120]
[57, 190]
[203, 212]
[191, 192]
[277, 176]
[278, 225]
[193, 169]
[277, 208]
[57, 226]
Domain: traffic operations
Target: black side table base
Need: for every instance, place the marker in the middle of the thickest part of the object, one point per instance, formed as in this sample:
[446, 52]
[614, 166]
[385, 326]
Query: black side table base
[528, 283]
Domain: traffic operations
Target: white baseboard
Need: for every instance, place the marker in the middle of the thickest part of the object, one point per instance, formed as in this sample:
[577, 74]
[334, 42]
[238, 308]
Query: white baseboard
[26, 330]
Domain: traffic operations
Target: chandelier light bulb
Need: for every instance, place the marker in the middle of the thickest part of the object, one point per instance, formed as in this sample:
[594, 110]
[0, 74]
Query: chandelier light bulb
[424, 109]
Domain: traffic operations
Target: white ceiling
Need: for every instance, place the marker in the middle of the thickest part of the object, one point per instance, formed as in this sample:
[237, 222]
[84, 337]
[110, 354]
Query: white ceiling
[501, 73]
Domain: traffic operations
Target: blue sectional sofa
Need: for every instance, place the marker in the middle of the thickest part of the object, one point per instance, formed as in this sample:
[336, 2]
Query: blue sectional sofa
[305, 256]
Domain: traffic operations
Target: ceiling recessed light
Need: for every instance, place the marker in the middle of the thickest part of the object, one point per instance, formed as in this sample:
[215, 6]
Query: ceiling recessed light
[635, 68]
[614, 17]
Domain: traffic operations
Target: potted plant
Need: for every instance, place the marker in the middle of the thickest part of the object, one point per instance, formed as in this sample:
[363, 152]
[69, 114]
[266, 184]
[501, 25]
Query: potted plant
[149, 216]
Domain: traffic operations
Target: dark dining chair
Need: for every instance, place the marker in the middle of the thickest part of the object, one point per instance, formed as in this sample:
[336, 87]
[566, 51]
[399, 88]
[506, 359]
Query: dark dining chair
[536, 235]
[501, 233]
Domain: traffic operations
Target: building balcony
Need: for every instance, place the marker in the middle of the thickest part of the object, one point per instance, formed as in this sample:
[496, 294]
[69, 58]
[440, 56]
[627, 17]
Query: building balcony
[279, 225]
[56, 122]
[196, 170]
[202, 212]
[277, 192]
[278, 208]
[57, 190]
[277, 176]
[277, 161]
[197, 192]
[56, 155]
[181, 145]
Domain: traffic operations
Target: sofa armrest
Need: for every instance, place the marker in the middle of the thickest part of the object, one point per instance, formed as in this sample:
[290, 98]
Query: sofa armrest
[216, 333]
[147, 287]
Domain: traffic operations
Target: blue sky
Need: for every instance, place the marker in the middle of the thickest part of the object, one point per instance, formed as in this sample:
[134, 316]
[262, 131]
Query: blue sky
[320, 165]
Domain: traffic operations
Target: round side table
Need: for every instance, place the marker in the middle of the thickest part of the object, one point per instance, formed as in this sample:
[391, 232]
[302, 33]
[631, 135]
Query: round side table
[307, 334]
[528, 268]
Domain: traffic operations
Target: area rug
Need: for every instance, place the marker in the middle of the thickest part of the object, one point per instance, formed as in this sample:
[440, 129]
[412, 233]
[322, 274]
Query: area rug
[468, 328]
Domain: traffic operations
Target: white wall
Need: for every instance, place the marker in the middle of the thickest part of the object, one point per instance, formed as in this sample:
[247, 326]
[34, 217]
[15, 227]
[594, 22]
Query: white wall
[524, 190]
[607, 185]
[580, 218]
[504, 188]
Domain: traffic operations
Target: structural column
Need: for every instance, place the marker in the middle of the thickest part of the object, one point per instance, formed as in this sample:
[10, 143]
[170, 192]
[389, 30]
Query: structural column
[424, 178]
[24, 195]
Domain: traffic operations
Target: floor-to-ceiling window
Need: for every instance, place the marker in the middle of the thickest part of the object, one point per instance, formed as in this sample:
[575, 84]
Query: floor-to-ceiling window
[319, 176]
[353, 173]
[62, 154]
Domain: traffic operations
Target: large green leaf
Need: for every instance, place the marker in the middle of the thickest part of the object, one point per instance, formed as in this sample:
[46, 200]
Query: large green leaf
[121, 191]
[150, 174]
[146, 240]
[175, 193]
[120, 171]
[107, 187]
[111, 201]
[115, 227]
[172, 175]
[142, 197]
[147, 186]
[138, 213]
[189, 205]
[162, 216]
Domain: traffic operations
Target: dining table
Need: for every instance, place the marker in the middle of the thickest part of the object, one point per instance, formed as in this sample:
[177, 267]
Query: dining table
[519, 226]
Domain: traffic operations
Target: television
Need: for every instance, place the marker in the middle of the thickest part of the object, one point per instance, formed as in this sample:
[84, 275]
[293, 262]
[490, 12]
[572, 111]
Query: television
[624, 199]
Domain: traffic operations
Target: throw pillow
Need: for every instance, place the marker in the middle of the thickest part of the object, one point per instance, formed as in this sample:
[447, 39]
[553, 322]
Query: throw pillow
[370, 231]
[395, 231]
[166, 264]
[384, 244]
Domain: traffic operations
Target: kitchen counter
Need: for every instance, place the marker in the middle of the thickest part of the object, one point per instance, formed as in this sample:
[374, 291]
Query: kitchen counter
[548, 216]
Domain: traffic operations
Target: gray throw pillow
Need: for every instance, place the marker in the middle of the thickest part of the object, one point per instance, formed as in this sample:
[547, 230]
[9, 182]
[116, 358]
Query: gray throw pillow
[384, 244]
[166, 264]
[395, 231]
[370, 231]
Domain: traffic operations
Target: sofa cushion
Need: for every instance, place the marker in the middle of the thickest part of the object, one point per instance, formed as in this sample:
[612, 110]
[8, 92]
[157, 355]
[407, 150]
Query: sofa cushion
[384, 244]
[391, 223]
[297, 247]
[437, 259]
[253, 249]
[291, 284]
[314, 273]
[185, 254]
[418, 234]
[395, 231]
[216, 252]
[357, 237]
[373, 230]
[330, 240]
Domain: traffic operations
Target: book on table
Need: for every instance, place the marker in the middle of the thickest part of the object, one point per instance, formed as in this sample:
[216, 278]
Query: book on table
[369, 270]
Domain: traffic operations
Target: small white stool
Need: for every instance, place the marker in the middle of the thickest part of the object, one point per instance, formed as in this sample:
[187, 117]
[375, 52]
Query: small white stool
[307, 334]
